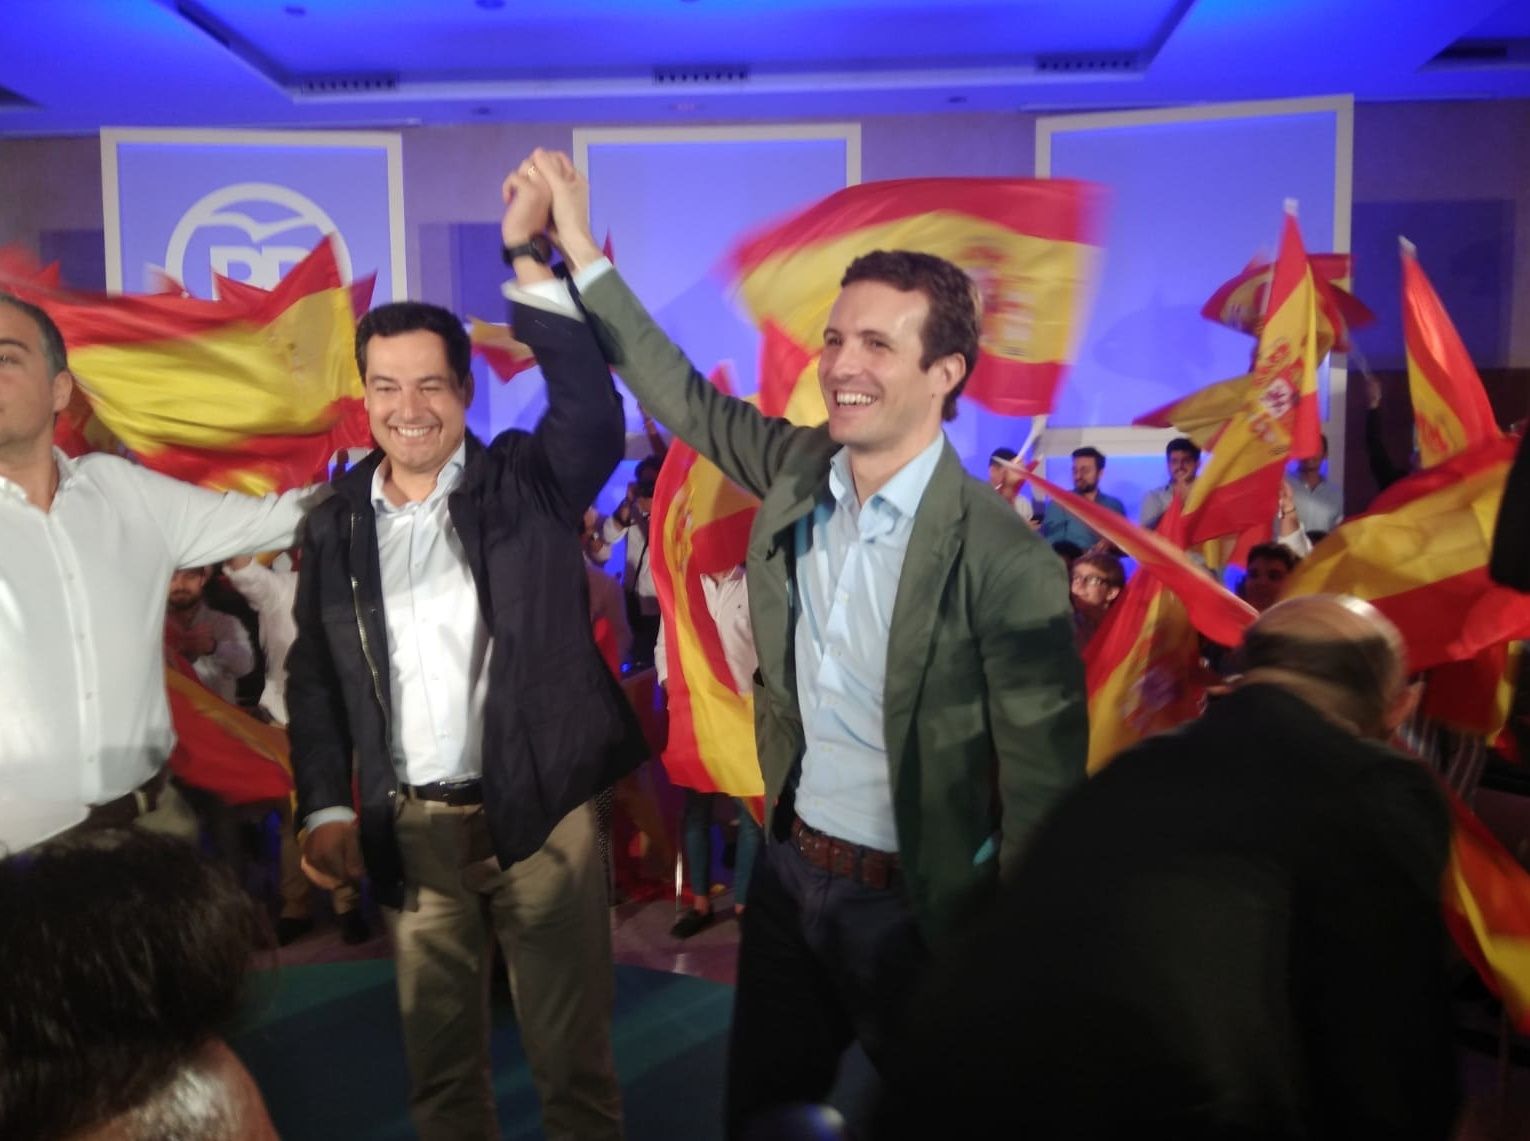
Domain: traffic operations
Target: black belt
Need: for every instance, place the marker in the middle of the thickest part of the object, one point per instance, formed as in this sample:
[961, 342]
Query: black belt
[454, 793]
[870, 867]
[128, 807]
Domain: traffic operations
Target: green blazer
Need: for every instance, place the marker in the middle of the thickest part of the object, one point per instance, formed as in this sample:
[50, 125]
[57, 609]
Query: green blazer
[984, 705]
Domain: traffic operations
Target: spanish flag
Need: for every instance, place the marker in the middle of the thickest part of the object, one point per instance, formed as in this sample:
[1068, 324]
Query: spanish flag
[1243, 302]
[1203, 414]
[497, 347]
[252, 392]
[1487, 910]
[221, 748]
[1210, 607]
[700, 525]
[1420, 556]
[1030, 245]
[1450, 408]
[1277, 419]
[1142, 669]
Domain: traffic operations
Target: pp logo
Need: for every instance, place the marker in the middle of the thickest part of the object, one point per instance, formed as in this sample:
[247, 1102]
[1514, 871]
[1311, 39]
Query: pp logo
[252, 232]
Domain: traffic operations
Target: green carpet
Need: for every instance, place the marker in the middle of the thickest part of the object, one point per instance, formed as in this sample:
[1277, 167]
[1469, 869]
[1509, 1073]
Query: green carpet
[324, 1043]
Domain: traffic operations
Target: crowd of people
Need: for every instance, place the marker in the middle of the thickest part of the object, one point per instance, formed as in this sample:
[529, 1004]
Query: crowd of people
[1234, 931]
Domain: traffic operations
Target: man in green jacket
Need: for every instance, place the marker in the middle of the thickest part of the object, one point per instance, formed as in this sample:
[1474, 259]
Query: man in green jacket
[919, 702]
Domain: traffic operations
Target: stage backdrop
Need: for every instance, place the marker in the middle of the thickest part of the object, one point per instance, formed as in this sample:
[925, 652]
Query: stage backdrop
[1195, 192]
[248, 205]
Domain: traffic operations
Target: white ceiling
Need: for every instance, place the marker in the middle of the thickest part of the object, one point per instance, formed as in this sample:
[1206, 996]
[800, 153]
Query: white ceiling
[74, 66]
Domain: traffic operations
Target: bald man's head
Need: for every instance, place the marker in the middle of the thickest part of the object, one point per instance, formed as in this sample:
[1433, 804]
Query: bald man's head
[1336, 653]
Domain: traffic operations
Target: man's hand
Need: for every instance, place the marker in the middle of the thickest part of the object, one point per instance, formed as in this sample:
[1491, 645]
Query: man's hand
[528, 205]
[332, 855]
[194, 642]
[570, 208]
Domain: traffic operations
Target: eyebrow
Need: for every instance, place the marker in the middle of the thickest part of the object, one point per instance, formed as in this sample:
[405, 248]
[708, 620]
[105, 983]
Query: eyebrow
[14, 341]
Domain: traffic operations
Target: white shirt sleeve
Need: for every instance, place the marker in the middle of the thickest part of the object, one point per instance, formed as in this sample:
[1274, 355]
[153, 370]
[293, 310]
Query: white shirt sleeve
[202, 526]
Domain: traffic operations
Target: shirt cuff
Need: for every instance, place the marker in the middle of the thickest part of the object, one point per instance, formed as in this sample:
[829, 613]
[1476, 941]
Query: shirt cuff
[329, 816]
[549, 296]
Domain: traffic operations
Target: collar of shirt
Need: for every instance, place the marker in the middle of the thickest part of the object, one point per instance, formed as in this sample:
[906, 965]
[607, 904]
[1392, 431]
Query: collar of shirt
[446, 481]
[62, 462]
[899, 497]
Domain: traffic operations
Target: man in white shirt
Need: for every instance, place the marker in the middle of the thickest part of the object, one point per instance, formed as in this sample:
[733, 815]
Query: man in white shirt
[89, 548]
[630, 522]
[445, 669]
[216, 644]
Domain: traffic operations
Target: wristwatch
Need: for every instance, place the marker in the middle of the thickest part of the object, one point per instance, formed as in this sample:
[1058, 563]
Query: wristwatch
[538, 249]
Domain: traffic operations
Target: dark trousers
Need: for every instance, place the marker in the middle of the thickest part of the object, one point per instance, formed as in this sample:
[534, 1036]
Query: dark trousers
[823, 962]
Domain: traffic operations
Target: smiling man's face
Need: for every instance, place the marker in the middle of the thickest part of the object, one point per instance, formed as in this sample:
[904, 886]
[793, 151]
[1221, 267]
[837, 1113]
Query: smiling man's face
[879, 396]
[416, 404]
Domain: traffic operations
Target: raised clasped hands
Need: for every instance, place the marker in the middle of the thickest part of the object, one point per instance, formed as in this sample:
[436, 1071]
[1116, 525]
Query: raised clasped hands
[547, 194]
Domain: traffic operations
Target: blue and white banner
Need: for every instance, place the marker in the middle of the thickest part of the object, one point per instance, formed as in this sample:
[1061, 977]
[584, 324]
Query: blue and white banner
[248, 205]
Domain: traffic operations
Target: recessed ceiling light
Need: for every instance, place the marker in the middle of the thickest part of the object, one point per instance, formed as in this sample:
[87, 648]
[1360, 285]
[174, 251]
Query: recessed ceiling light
[956, 99]
[685, 107]
[483, 110]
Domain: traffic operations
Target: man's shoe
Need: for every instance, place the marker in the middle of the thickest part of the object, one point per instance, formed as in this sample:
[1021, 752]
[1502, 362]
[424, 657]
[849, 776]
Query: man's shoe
[291, 928]
[354, 928]
[690, 923]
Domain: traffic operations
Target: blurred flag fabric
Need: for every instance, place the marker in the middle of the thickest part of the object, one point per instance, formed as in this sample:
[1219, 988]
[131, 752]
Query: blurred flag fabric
[252, 392]
[1242, 302]
[496, 345]
[219, 747]
[1030, 245]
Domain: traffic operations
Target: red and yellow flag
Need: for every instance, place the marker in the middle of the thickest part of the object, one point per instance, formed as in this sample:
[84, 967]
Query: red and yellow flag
[1420, 556]
[221, 748]
[1203, 414]
[1450, 407]
[1142, 668]
[1030, 245]
[1242, 303]
[1210, 607]
[498, 348]
[700, 525]
[1487, 909]
[252, 392]
[1277, 419]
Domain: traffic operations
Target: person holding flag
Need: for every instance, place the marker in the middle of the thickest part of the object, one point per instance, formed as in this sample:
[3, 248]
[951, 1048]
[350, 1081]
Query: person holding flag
[919, 700]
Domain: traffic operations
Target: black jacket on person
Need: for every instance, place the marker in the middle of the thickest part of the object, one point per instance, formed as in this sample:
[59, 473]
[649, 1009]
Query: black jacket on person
[1231, 932]
[557, 728]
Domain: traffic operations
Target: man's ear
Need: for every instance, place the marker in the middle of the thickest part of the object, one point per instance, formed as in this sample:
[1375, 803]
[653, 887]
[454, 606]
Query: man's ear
[949, 371]
[63, 389]
[1402, 707]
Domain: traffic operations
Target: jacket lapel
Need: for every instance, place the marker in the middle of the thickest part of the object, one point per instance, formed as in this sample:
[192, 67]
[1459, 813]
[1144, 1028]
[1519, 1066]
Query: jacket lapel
[933, 548]
[772, 566]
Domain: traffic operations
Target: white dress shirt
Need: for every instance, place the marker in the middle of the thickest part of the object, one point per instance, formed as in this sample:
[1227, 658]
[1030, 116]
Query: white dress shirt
[438, 643]
[1319, 508]
[83, 585]
[849, 560]
[271, 593]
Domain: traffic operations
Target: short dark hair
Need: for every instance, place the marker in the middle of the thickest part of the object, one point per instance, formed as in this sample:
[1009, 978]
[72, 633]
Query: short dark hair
[1183, 444]
[953, 324]
[1088, 453]
[400, 317]
[54, 353]
[1067, 550]
[1107, 564]
[1275, 552]
[125, 953]
[1003, 454]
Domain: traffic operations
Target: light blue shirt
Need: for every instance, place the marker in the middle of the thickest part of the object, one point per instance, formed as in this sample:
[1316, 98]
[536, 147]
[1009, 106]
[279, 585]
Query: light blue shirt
[849, 559]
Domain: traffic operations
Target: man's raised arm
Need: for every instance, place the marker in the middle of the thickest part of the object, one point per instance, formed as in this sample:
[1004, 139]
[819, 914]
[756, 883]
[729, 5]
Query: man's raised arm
[748, 446]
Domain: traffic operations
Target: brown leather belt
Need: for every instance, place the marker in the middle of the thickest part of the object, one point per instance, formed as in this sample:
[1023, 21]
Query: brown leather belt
[454, 793]
[128, 807]
[870, 867]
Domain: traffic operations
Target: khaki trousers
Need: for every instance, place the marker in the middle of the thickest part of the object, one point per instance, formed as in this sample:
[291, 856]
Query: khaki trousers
[550, 916]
